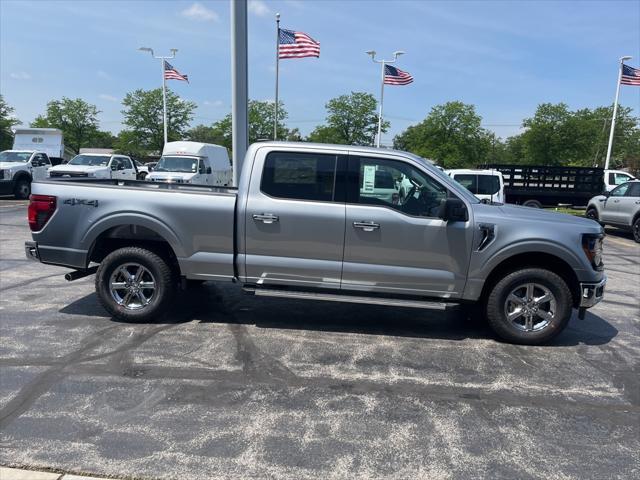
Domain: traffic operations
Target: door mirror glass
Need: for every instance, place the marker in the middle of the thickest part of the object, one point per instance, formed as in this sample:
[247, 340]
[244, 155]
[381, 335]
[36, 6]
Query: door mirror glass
[209, 170]
[114, 167]
[454, 210]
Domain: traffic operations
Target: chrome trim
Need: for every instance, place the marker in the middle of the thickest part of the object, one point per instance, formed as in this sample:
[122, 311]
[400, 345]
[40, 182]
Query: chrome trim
[592, 293]
[366, 226]
[266, 218]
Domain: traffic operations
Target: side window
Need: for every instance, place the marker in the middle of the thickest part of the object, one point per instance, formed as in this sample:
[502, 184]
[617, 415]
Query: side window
[621, 178]
[126, 162]
[301, 176]
[470, 182]
[45, 159]
[620, 191]
[400, 186]
[115, 163]
[634, 190]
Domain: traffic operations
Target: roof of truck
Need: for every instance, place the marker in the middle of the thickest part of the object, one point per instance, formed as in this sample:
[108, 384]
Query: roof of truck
[37, 130]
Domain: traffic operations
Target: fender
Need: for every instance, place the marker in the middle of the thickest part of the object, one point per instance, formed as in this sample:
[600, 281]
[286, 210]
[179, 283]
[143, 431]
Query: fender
[136, 219]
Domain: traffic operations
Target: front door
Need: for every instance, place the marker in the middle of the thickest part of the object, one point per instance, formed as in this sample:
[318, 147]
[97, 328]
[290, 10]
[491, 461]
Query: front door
[397, 243]
[294, 221]
[39, 166]
[611, 211]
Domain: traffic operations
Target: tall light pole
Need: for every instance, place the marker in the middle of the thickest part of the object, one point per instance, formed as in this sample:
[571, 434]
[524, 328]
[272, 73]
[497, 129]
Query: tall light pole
[382, 63]
[164, 84]
[239, 86]
[615, 112]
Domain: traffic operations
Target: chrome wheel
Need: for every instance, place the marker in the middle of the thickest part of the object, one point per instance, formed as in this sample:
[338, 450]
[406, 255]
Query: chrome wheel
[530, 307]
[132, 286]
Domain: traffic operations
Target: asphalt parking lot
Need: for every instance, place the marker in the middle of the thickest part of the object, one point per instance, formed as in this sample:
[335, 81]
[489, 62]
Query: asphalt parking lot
[236, 387]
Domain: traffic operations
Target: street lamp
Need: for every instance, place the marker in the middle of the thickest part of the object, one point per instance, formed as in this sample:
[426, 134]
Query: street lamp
[372, 54]
[164, 83]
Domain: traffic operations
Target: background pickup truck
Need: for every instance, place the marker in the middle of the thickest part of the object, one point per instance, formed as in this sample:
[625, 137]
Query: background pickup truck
[306, 222]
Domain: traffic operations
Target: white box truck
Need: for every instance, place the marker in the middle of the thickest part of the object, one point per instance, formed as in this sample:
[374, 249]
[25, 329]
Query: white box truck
[47, 140]
[194, 163]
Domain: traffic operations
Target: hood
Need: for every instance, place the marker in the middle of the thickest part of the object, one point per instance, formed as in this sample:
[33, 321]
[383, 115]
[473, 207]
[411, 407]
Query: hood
[77, 168]
[8, 165]
[171, 176]
[531, 216]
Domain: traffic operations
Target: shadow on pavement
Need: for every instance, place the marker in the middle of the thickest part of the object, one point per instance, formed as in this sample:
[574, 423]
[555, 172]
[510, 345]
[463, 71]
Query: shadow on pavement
[216, 303]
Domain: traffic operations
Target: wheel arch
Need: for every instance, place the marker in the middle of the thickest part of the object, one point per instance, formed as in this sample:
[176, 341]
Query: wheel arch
[544, 260]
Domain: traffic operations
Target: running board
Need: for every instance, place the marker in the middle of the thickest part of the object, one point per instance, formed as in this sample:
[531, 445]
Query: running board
[327, 297]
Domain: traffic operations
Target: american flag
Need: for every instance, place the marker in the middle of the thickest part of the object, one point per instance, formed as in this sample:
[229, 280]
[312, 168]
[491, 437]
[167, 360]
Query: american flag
[630, 75]
[395, 76]
[296, 45]
[171, 73]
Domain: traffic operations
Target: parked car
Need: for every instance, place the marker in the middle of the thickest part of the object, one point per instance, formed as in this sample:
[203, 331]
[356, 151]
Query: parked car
[95, 165]
[538, 186]
[619, 208]
[194, 163]
[299, 226]
[613, 178]
[487, 185]
[18, 168]
[143, 169]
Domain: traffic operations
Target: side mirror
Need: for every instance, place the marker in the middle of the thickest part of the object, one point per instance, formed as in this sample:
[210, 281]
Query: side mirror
[454, 210]
[36, 163]
[120, 167]
[114, 167]
[607, 193]
[209, 170]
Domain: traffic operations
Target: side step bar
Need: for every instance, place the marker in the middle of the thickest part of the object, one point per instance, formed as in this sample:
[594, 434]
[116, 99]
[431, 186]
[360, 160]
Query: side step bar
[328, 297]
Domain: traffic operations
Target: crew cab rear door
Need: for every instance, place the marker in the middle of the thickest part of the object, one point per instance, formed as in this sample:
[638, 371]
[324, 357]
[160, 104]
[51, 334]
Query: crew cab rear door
[295, 218]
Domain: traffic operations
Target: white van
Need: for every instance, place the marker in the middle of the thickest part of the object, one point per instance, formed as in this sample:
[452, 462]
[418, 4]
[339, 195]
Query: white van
[193, 162]
[487, 185]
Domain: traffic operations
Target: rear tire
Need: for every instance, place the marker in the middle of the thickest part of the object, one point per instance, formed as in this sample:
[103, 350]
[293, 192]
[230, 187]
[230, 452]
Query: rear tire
[135, 285]
[532, 204]
[22, 189]
[527, 315]
[142, 176]
[636, 230]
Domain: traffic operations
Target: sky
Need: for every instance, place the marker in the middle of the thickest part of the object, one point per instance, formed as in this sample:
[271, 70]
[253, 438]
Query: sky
[505, 57]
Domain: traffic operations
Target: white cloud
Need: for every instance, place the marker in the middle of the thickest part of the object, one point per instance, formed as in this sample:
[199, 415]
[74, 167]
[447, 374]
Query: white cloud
[20, 75]
[215, 103]
[259, 8]
[107, 97]
[199, 12]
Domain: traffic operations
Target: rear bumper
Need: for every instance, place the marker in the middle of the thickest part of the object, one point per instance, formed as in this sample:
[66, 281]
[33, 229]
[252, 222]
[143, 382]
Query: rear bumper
[64, 257]
[6, 187]
[592, 293]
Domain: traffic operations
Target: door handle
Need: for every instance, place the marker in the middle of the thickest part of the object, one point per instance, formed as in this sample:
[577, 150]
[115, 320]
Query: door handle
[616, 201]
[266, 218]
[366, 226]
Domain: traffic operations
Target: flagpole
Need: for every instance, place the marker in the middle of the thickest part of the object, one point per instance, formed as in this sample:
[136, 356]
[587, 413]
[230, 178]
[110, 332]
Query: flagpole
[164, 100]
[275, 105]
[615, 112]
[382, 64]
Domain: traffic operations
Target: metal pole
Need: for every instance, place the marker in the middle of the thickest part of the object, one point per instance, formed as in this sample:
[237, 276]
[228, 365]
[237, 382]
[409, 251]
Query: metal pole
[383, 63]
[164, 100]
[239, 88]
[275, 105]
[615, 112]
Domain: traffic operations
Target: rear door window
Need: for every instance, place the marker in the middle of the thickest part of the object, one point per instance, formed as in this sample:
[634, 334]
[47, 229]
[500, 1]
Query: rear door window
[634, 190]
[300, 176]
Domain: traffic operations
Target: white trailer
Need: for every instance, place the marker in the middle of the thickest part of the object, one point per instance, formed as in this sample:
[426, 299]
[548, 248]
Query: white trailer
[193, 162]
[47, 140]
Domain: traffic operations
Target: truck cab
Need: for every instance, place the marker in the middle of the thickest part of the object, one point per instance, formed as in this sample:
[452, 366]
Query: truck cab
[18, 168]
[95, 165]
[487, 185]
[192, 163]
[613, 178]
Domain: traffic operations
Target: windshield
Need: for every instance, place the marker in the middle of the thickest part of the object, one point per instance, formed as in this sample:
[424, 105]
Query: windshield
[90, 160]
[22, 157]
[177, 164]
[479, 184]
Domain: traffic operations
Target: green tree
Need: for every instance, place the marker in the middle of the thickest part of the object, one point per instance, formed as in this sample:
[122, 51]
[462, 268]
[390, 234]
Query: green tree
[103, 139]
[7, 120]
[144, 118]
[260, 125]
[77, 119]
[451, 135]
[351, 120]
[206, 134]
[127, 143]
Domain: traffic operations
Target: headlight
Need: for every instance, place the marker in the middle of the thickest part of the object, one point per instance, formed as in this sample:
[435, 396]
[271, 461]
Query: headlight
[592, 246]
[7, 174]
[91, 174]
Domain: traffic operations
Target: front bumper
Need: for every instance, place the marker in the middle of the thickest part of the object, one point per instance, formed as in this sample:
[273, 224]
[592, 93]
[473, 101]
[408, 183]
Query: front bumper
[592, 293]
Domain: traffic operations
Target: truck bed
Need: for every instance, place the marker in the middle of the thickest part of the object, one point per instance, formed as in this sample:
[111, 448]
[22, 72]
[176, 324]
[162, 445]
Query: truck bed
[196, 221]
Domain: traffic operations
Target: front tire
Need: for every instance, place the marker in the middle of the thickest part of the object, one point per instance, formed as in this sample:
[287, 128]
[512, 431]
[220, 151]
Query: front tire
[592, 213]
[135, 284]
[22, 189]
[529, 306]
[636, 230]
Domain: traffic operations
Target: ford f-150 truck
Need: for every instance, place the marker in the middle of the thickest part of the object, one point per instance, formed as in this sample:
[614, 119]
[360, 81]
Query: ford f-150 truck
[304, 224]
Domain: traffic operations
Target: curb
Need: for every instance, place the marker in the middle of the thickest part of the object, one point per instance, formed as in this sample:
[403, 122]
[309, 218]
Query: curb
[7, 473]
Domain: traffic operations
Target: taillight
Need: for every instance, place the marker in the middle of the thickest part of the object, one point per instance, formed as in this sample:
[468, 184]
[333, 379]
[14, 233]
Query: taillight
[41, 209]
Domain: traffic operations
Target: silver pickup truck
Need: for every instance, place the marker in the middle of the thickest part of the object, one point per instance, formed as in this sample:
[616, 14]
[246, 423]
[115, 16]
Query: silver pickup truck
[324, 222]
